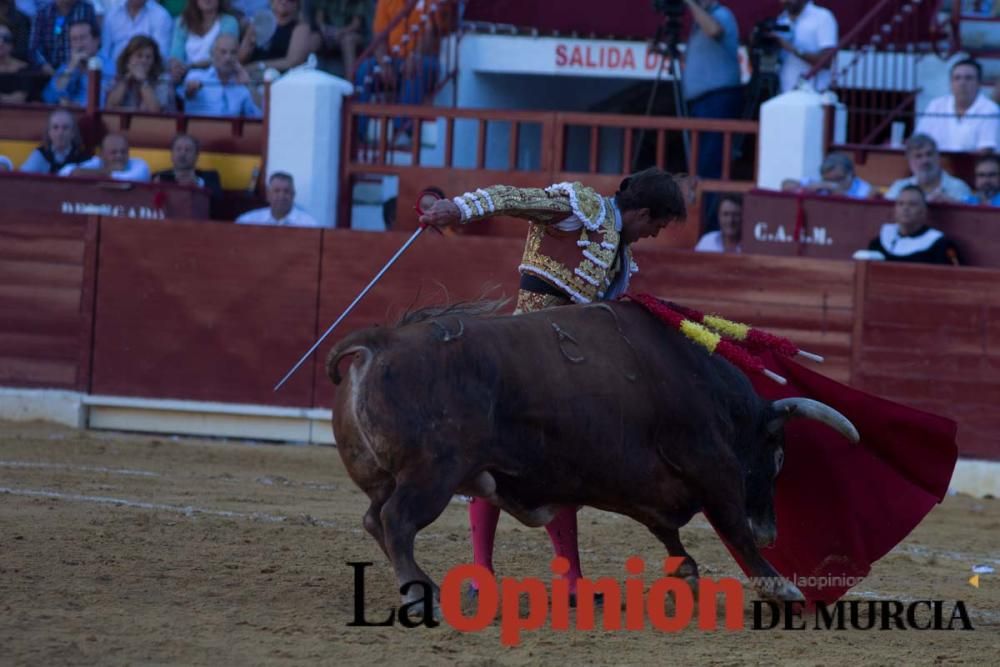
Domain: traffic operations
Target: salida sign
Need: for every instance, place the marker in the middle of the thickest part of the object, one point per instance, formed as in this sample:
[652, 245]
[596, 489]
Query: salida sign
[621, 59]
[638, 605]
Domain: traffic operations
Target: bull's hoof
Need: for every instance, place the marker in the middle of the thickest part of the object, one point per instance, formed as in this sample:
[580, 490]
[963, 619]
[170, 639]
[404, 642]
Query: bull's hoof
[780, 589]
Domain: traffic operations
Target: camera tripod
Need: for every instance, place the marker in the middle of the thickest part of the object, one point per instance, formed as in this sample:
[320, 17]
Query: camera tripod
[667, 49]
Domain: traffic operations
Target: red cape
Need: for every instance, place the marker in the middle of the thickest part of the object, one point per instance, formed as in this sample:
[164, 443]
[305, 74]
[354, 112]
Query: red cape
[839, 506]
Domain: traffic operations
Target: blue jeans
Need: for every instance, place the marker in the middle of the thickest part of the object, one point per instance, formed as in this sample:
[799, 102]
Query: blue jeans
[723, 103]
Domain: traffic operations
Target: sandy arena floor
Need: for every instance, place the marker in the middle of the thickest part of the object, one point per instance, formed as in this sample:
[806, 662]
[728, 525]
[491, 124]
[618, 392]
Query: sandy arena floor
[123, 549]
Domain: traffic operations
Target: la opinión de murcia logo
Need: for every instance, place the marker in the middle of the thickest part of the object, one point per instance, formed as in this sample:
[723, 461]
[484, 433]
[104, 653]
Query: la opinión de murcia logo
[636, 605]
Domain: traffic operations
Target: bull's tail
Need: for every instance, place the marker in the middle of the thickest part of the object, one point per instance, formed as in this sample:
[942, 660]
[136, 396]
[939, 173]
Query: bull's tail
[365, 342]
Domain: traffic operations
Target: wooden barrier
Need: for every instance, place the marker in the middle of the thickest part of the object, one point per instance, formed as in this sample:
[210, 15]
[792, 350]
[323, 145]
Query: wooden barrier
[835, 227]
[217, 312]
[54, 196]
[47, 271]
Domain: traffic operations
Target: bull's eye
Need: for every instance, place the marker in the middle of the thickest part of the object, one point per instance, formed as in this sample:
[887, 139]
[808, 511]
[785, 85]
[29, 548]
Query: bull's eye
[779, 460]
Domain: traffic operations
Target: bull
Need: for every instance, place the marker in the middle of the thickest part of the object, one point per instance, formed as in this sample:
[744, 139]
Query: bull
[599, 405]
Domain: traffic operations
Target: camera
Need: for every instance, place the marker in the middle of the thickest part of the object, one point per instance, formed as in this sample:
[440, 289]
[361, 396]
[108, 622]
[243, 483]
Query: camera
[765, 49]
[669, 32]
[669, 8]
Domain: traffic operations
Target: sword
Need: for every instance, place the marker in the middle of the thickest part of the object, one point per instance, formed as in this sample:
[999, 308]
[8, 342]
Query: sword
[358, 298]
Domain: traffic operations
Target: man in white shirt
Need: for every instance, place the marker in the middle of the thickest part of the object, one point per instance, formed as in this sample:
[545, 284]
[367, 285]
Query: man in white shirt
[224, 89]
[925, 165]
[814, 37]
[966, 120]
[131, 18]
[113, 162]
[727, 238]
[282, 210]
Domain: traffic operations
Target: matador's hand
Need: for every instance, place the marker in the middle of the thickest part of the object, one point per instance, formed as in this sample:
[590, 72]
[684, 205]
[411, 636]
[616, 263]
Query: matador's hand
[443, 213]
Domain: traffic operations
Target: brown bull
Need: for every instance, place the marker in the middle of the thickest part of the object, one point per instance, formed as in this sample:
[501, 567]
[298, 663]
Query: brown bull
[598, 405]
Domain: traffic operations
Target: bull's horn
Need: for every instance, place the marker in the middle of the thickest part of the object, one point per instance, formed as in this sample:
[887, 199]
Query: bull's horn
[810, 409]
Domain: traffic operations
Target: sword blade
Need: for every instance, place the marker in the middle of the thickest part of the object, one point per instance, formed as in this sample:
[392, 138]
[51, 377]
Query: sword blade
[344, 314]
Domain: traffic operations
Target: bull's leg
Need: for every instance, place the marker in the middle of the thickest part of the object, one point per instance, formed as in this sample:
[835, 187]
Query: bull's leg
[668, 534]
[729, 519]
[378, 491]
[418, 499]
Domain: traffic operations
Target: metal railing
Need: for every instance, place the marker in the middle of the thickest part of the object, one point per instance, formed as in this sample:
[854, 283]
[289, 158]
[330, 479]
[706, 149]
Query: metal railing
[410, 67]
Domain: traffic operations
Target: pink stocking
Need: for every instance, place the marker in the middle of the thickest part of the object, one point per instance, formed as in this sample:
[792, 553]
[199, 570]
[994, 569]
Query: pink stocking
[483, 518]
[562, 532]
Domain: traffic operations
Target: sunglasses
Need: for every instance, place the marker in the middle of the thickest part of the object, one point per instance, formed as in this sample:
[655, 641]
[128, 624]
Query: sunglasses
[6, 38]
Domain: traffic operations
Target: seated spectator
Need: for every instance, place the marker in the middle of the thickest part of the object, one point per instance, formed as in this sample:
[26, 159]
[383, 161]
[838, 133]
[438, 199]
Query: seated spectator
[987, 181]
[15, 76]
[282, 210]
[184, 156]
[195, 32]
[289, 46]
[966, 120]
[20, 26]
[139, 81]
[50, 36]
[131, 18]
[909, 238]
[343, 26]
[69, 84]
[729, 214]
[837, 177]
[225, 88]
[925, 165]
[60, 147]
[113, 162]
[6, 164]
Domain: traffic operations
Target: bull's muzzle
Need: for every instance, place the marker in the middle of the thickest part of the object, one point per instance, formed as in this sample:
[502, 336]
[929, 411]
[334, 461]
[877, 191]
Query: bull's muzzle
[764, 534]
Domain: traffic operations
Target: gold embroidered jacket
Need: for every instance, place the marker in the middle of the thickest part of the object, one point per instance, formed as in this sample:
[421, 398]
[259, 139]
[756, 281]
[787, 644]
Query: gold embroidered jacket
[582, 261]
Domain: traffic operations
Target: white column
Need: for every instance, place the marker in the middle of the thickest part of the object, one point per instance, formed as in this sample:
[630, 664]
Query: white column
[792, 127]
[303, 138]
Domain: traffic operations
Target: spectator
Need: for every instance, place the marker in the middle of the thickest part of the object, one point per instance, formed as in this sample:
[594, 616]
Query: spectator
[184, 151]
[6, 164]
[342, 24]
[139, 80]
[15, 77]
[711, 79]
[131, 18]
[225, 88]
[925, 165]
[987, 181]
[70, 83]
[727, 237]
[195, 32]
[409, 56]
[50, 36]
[282, 210]
[20, 26]
[909, 238]
[966, 120]
[813, 38]
[837, 177]
[291, 44]
[60, 147]
[113, 162]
